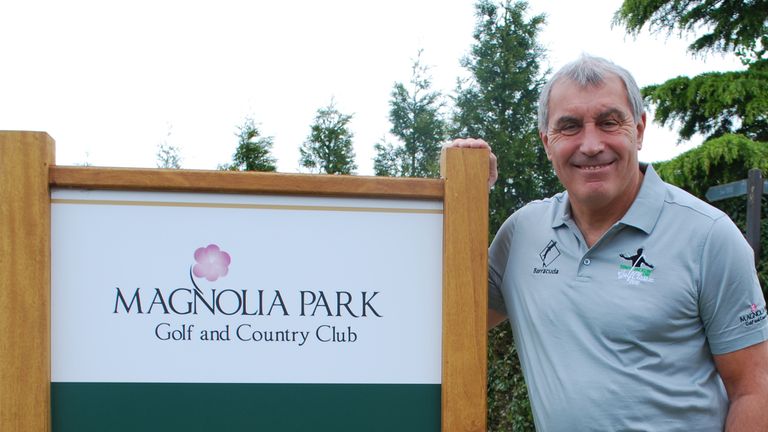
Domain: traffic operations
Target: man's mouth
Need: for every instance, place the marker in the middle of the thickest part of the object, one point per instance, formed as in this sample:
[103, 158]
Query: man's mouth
[593, 167]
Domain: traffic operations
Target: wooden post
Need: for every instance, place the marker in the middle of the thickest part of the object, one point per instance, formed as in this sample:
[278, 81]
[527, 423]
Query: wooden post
[465, 295]
[754, 201]
[25, 228]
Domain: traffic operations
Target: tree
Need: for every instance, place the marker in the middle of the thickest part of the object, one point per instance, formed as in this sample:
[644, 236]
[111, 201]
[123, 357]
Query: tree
[168, 156]
[418, 124]
[729, 25]
[253, 150]
[715, 103]
[328, 147]
[499, 103]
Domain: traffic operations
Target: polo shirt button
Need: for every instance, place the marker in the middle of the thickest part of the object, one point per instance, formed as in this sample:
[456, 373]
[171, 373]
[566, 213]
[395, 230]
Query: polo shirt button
[587, 261]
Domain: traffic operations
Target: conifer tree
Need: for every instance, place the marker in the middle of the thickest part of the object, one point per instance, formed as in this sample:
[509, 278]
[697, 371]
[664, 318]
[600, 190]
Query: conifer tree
[714, 103]
[419, 126]
[499, 104]
[253, 151]
[328, 147]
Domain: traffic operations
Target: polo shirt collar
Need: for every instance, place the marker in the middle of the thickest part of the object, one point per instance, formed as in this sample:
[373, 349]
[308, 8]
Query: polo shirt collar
[643, 213]
[646, 209]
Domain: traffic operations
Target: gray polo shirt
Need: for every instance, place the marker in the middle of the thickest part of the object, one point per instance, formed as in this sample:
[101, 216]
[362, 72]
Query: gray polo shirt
[620, 336]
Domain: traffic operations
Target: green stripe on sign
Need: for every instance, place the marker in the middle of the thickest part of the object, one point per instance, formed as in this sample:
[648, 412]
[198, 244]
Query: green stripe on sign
[147, 407]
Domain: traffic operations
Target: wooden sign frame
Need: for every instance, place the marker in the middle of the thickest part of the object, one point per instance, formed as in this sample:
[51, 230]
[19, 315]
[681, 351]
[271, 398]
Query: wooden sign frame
[28, 172]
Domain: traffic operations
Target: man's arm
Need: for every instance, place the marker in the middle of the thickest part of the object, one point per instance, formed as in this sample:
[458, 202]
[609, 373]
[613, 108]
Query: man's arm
[495, 318]
[745, 375]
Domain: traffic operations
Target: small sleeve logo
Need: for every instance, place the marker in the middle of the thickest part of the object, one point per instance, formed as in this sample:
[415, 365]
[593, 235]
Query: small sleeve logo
[755, 315]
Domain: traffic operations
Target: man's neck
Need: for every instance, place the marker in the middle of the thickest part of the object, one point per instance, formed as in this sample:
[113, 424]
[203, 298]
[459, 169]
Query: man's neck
[594, 221]
[594, 224]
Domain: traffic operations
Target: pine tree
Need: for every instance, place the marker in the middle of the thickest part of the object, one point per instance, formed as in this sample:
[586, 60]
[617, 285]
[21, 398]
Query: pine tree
[328, 147]
[736, 26]
[168, 156]
[499, 104]
[418, 124]
[715, 103]
[253, 151]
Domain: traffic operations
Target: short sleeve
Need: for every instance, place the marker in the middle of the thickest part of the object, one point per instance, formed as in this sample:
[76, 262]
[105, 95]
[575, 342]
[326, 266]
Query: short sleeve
[498, 255]
[731, 304]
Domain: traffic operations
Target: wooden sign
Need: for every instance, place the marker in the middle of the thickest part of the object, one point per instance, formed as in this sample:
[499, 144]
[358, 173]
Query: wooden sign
[202, 300]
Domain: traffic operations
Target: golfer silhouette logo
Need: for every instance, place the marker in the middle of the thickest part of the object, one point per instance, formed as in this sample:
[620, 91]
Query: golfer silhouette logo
[638, 259]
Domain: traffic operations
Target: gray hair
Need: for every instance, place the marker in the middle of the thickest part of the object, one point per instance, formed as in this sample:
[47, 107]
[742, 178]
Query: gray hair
[590, 71]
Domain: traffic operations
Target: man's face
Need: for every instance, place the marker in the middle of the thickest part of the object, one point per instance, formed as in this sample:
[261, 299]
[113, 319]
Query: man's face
[592, 141]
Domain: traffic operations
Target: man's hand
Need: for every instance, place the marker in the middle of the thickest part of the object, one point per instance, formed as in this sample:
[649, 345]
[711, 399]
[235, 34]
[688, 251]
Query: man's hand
[493, 172]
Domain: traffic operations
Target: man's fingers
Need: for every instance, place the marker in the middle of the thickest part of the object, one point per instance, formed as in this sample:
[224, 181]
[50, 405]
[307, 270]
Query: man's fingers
[493, 172]
[468, 143]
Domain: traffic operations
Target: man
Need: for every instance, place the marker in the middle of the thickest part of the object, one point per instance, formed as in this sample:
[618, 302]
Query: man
[611, 345]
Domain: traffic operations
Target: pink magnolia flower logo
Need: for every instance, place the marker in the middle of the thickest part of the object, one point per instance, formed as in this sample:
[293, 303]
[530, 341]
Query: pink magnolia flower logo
[754, 307]
[212, 262]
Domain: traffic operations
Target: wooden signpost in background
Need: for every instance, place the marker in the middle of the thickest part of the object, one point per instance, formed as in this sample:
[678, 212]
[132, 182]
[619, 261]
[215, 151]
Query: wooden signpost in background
[28, 172]
[753, 187]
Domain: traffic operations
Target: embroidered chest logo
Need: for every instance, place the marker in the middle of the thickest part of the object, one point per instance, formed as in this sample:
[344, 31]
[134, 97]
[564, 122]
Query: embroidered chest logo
[548, 255]
[637, 269]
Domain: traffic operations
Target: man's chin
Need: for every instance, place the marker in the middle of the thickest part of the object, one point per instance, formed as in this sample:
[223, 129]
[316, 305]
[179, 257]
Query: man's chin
[591, 194]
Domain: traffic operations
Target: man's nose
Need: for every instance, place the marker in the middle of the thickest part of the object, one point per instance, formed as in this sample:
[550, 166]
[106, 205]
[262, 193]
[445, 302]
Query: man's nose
[591, 143]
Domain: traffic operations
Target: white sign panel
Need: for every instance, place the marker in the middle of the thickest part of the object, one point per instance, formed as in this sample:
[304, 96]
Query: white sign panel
[181, 287]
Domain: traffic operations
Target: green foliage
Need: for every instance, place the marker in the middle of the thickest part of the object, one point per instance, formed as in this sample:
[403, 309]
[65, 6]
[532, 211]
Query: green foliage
[715, 103]
[739, 26]
[712, 104]
[328, 147]
[718, 161]
[253, 150]
[418, 124]
[499, 103]
[509, 408]
[168, 156]
[721, 160]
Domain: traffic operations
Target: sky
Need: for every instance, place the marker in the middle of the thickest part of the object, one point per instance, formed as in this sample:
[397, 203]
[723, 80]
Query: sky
[112, 80]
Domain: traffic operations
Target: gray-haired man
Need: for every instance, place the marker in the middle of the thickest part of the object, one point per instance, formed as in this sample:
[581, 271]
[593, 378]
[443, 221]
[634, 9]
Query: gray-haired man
[673, 339]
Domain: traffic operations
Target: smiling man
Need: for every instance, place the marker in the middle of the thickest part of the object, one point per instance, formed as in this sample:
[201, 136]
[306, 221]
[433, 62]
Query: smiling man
[634, 305]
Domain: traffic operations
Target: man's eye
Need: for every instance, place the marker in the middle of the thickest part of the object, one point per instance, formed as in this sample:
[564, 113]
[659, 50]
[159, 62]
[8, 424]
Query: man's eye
[570, 129]
[609, 125]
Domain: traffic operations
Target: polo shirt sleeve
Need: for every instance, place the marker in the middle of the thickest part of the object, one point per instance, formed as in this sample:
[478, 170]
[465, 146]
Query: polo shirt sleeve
[498, 256]
[731, 304]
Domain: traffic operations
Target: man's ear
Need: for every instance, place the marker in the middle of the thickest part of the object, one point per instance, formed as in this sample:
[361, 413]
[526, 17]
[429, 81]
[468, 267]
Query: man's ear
[640, 131]
[545, 141]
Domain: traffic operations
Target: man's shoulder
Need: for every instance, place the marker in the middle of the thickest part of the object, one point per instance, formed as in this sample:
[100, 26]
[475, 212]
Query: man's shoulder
[536, 212]
[543, 206]
[688, 203]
